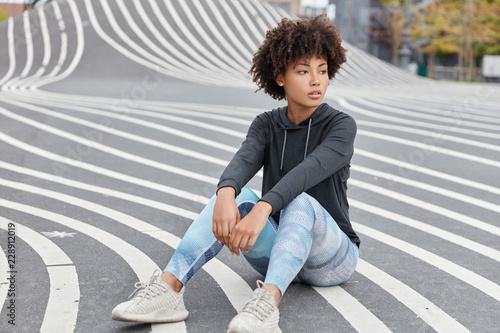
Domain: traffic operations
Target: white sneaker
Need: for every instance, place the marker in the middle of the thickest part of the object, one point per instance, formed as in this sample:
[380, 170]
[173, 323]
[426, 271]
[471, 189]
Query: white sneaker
[155, 302]
[259, 315]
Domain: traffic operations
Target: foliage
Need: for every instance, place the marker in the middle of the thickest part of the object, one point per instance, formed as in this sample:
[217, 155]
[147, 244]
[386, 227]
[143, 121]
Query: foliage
[3, 16]
[447, 24]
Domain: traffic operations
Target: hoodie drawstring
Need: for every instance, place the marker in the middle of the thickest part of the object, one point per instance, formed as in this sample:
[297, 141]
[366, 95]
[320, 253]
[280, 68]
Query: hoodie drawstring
[307, 139]
[283, 153]
[284, 145]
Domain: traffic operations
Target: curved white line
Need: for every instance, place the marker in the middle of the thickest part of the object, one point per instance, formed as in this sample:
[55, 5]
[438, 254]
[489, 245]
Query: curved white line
[343, 102]
[188, 58]
[432, 136]
[12, 52]
[62, 162]
[235, 288]
[477, 281]
[29, 45]
[428, 187]
[431, 148]
[107, 149]
[102, 191]
[78, 52]
[352, 310]
[453, 121]
[424, 227]
[62, 307]
[425, 309]
[437, 110]
[415, 168]
[475, 223]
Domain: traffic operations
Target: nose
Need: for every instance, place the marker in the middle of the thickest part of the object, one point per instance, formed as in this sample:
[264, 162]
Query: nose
[314, 80]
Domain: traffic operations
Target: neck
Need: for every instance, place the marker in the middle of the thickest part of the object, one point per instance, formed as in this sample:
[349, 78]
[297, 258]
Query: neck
[298, 116]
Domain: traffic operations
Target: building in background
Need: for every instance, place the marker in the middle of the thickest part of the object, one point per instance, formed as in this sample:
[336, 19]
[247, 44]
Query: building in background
[353, 18]
[290, 6]
[10, 8]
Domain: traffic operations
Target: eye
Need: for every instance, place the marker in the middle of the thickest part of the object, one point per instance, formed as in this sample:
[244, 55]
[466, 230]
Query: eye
[324, 72]
[302, 72]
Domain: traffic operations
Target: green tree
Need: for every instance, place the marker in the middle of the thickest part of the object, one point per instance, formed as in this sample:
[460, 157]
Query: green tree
[435, 29]
[469, 28]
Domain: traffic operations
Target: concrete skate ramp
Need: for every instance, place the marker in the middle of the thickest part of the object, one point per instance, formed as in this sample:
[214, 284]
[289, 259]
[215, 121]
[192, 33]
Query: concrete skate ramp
[118, 117]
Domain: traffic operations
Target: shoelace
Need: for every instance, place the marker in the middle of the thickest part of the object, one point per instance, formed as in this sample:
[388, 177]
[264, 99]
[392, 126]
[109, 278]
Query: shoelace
[259, 305]
[150, 289]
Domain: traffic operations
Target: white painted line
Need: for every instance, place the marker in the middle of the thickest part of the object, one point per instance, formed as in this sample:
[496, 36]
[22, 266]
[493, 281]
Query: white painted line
[220, 57]
[455, 122]
[250, 47]
[62, 307]
[424, 227]
[428, 135]
[407, 168]
[141, 264]
[107, 149]
[47, 50]
[64, 47]
[102, 191]
[475, 280]
[12, 52]
[235, 288]
[352, 310]
[29, 45]
[230, 50]
[135, 121]
[64, 161]
[428, 187]
[343, 102]
[436, 109]
[432, 148]
[475, 223]
[188, 58]
[425, 309]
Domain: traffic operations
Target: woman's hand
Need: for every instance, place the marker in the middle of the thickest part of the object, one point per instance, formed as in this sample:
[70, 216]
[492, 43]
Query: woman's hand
[226, 214]
[245, 233]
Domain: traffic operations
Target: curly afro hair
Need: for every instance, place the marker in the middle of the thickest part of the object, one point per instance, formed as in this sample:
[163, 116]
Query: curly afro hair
[291, 41]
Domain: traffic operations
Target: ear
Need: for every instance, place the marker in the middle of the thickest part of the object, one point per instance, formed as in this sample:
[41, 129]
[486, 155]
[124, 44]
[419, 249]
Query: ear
[280, 80]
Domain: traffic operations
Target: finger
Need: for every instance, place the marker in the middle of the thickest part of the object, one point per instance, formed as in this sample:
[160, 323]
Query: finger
[251, 243]
[214, 230]
[235, 240]
[244, 243]
[227, 231]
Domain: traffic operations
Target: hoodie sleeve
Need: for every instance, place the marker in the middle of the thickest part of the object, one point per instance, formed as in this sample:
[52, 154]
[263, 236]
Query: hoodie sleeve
[248, 159]
[333, 153]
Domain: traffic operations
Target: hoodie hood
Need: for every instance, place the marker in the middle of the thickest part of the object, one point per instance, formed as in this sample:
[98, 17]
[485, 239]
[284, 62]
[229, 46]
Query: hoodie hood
[320, 114]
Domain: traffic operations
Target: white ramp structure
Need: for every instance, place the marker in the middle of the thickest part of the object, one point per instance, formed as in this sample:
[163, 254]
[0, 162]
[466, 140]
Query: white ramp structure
[117, 118]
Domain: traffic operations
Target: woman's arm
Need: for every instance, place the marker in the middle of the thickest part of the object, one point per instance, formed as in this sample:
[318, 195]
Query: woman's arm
[248, 159]
[243, 166]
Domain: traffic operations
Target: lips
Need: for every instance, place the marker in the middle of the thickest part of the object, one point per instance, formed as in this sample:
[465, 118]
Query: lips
[315, 93]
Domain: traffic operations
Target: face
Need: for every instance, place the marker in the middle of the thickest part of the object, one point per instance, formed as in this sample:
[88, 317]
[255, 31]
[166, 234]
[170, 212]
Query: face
[305, 84]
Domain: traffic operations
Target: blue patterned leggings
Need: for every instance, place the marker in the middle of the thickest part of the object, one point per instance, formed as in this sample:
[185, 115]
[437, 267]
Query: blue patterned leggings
[307, 246]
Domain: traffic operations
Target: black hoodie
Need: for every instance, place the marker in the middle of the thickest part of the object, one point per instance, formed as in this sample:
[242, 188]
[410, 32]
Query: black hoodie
[313, 157]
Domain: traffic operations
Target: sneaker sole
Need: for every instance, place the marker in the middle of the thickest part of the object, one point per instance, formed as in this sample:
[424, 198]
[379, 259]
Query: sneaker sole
[158, 316]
